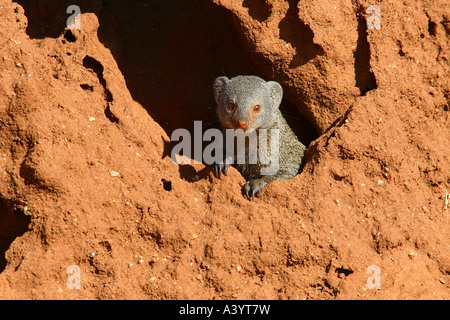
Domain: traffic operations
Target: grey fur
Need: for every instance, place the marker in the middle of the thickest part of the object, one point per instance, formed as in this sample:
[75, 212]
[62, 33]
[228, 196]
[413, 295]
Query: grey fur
[245, 92]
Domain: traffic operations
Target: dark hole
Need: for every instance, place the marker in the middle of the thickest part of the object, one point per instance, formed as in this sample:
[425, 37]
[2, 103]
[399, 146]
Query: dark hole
[96, 66]
[299, 35]
[432, 28]
[111, 115]
[69, 36]
[400, 50]
[106, 245]
[343, 271]
[167, 185]
[13, 223]
[302, 128]
[338, 177]
[364, 77]
[85, 86]
[258, 9]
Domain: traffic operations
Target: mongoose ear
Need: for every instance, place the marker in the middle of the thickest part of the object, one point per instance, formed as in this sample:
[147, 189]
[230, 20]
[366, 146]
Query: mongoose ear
[218, 86]
[276, 93]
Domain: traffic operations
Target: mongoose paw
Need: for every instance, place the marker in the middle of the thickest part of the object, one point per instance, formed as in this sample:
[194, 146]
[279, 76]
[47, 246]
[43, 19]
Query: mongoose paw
[253, 188]
[220, 168]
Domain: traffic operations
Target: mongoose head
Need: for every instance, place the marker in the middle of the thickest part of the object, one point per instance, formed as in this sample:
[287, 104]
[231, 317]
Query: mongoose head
[247, 102]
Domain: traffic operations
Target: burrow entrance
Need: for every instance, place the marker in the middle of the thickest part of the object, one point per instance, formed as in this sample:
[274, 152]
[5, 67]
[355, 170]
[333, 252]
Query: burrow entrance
[13, 223]
[169, 52]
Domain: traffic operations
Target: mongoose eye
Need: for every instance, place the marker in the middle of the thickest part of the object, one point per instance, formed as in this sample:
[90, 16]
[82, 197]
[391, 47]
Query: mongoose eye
[257, 108]
[231, 106]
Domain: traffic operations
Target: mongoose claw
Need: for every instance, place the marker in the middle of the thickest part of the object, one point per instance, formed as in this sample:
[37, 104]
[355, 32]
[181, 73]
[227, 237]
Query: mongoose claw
[253, 188]
[219, 169]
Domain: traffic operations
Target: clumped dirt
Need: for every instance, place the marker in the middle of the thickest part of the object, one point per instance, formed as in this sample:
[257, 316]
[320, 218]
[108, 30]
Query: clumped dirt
[86, 116]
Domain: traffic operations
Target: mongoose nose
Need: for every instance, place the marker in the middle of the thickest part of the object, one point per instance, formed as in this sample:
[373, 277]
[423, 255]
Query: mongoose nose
[242, 124]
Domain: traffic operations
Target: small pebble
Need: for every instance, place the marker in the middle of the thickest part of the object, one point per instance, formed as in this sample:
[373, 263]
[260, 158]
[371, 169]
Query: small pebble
[115, 174]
